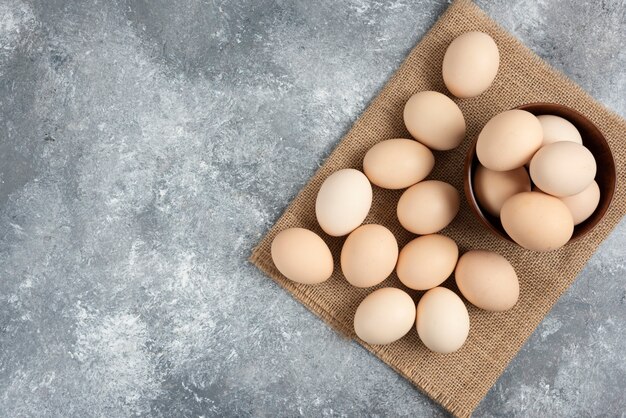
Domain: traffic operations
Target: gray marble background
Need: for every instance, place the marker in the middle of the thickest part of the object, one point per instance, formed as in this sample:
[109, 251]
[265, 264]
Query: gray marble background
[146, 146]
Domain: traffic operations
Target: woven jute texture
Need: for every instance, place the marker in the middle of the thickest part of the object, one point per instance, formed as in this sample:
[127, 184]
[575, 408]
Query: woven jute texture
[457, 381]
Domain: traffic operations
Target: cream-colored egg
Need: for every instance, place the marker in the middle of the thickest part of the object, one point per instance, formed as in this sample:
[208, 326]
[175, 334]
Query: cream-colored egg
[470, 64]
[556, 128]
[398, 163]
[563, 168]
[442, 320]
[427, 261]
[343, 201]
[428, 207]
[509, 140]
[384, 316]
[583, 204]
[537, 221]
[302, 256]
[369, 255]
[487, 280]
[493, 188]
[434, 120]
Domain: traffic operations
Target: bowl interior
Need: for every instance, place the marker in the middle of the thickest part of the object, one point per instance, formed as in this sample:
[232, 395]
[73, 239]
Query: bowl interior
[592, 139]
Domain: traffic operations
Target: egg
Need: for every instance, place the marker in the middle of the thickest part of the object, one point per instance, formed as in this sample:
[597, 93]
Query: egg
[493, 188]
[442, 320]
[302, 256]
[427, 261]
[583, 204]
[470, 64]
[428, 207]
[537, 221]
[398, 163]
[343, 201]
[384, 316]
[556, 128]
[434, 120]
[369, 255]
[563, 168]
[487, 280]
[509, 140]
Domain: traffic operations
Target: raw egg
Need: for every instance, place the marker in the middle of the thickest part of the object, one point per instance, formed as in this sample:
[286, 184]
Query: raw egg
[563, 168]
[428, 207]
[427, 261]
[369, 255]
[583, 204]
[493, 188]
[487, 280]
[434, 120]
[302, 256]
[442, 320]
[470, 64]
[343, 201]
[537, 221]
[556, 128]
[398, 163]
[384, 316]
[509, 140]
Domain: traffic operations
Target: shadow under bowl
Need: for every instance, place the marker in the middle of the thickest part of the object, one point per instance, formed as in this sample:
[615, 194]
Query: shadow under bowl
[592, 139]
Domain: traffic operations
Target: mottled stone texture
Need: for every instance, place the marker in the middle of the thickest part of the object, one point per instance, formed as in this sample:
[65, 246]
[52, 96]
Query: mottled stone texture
[145, 147]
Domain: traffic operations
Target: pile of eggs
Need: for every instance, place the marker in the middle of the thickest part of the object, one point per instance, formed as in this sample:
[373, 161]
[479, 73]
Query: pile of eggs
[370, 252]
[538, 208]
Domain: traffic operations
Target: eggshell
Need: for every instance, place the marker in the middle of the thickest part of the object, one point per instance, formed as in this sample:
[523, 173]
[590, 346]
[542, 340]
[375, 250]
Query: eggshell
[556, 128]
[493, 188]
[487, 280]
[563, 168]
[509, 140]
[537, 221]
[427, 261]
[302, 256]
[369, 255]
[470, 64]
[384, 316]
[583, 204]
[398, 163]
[343, 201]
[434, 120]
[428, 207]
[442, 320]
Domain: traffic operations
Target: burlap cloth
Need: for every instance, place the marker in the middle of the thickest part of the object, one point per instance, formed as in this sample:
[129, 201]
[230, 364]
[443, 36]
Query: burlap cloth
[460, 380]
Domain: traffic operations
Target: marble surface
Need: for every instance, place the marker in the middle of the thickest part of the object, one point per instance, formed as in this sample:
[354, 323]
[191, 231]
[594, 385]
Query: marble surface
[146, 146]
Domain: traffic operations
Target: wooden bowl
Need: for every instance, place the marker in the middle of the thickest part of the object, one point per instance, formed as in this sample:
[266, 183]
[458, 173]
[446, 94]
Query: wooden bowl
[592, 139]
